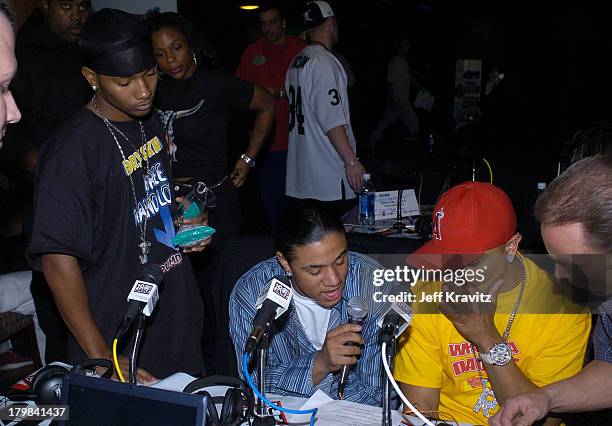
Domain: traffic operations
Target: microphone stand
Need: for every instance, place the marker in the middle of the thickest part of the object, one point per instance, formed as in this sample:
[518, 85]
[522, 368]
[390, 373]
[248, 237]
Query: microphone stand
[261, 416]
[140, 324]
[399, 224]
[386, 411]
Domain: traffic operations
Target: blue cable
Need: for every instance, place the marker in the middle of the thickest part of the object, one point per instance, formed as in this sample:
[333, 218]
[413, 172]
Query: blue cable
[245, 370]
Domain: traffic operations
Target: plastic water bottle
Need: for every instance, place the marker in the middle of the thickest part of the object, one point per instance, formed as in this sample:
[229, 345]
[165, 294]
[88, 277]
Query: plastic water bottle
[366, 201]
[540, 188]
[431, 138]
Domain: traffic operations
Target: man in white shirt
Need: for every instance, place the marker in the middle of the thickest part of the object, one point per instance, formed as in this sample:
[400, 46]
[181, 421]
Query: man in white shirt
[399, 79]
[322, 163]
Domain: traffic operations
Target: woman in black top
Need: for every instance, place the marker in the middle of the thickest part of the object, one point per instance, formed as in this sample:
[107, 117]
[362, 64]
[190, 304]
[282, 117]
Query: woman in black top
[197, 104]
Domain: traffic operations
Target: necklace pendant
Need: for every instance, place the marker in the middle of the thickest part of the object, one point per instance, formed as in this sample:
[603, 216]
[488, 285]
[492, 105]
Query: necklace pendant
[487, 402]
[144, 247]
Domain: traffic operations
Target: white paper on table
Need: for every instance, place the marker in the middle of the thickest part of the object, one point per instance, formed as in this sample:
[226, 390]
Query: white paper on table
[318, 399]
[418, 422]
[343, 413]
[176, 382]
[385, 204]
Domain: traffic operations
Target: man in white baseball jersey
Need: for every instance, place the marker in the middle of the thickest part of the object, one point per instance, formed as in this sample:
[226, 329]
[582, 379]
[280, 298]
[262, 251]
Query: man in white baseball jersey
[321, 162]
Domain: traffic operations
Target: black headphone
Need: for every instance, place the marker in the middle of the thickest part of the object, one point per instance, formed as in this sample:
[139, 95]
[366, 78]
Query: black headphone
[47, 383]
[232, 413]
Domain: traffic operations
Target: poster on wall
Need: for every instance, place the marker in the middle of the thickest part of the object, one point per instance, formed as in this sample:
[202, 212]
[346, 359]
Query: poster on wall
[468, 84]
[139, 7]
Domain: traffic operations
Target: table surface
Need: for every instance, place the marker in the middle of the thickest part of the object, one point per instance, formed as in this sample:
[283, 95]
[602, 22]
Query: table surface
[353, 410]
[343, 413]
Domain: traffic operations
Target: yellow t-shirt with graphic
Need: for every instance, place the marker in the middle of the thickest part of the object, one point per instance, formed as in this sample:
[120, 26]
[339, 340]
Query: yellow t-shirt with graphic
[547, 347]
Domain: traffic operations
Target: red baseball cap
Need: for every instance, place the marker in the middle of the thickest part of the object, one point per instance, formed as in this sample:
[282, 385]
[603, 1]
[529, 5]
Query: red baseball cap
[468, 220]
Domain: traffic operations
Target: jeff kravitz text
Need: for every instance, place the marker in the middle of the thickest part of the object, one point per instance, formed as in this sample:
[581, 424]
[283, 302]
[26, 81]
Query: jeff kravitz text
[435, 297]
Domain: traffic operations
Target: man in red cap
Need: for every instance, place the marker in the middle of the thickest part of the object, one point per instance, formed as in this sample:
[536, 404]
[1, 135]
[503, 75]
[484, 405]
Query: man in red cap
[495, 327]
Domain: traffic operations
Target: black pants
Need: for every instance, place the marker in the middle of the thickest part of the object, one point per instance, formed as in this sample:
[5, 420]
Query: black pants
[337, 207]
[225, 217]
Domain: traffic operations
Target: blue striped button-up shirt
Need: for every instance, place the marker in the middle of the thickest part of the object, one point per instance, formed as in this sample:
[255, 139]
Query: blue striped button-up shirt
[291, 356]
[602, 335]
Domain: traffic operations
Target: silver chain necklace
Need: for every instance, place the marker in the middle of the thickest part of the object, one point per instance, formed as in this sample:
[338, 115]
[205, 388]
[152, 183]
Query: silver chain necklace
[144, 245]
[295, 346]
[487, 400]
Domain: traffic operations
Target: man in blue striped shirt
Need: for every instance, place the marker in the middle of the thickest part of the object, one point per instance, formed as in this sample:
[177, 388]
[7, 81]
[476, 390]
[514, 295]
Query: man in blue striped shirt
[307, 345]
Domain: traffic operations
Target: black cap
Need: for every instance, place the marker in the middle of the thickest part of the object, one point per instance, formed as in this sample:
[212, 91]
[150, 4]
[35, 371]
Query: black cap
[315, 14]
[115, 43]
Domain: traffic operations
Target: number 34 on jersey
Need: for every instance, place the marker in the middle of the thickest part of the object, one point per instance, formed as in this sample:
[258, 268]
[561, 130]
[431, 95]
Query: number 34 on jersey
[296, 113]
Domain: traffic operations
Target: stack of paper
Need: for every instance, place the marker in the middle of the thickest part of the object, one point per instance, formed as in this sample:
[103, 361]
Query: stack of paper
[341, 413]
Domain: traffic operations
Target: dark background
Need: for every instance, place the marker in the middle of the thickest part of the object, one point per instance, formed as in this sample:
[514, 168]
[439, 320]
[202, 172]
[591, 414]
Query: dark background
[554, 57]
[557, 80]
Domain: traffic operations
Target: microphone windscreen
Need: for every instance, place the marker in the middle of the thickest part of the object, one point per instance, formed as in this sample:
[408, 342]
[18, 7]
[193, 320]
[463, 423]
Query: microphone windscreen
[284, 279]
[277, 290]
[152, 273]
[357, 308]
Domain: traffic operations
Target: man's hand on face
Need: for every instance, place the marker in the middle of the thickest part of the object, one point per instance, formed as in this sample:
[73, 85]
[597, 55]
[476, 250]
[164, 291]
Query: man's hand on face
[473, 319]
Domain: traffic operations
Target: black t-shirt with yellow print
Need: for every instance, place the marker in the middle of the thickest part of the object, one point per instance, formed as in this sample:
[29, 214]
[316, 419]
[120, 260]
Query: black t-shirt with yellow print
[85, 207]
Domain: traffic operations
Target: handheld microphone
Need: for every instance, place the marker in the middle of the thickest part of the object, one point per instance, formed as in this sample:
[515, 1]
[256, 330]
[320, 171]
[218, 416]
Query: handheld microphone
[272, 302]
[143, 297]
[357, 310]
[396, 318]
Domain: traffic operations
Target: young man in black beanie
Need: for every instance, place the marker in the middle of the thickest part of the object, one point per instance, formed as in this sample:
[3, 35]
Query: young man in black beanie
[102, 209]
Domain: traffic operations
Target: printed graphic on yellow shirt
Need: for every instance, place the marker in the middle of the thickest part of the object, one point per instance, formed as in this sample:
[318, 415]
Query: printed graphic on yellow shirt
[472, 362]
[148, 150]
[465, 362]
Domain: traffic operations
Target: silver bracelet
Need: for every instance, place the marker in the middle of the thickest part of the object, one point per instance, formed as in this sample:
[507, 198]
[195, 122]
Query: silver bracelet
[353, 161]
[250, 162]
